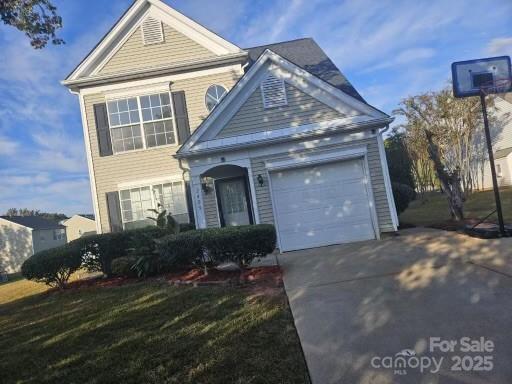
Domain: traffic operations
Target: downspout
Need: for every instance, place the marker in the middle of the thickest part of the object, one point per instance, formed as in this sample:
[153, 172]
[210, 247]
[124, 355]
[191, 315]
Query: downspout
[387, 179]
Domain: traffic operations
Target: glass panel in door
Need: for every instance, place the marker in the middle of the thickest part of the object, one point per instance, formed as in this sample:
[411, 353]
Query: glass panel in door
[233, 202]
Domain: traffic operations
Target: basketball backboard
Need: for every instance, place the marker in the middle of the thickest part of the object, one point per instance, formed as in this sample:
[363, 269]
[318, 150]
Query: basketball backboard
[490, 75]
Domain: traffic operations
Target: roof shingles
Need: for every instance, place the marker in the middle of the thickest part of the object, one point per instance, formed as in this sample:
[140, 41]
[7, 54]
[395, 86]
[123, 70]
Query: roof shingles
[34, 222]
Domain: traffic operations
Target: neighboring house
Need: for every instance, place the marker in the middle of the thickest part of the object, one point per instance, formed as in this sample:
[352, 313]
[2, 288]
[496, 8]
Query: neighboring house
[175, 116]
[78, 226]
[22, 236]
[502, 144]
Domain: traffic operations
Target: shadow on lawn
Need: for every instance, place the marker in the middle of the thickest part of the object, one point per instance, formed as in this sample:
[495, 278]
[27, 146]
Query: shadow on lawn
[149, 333]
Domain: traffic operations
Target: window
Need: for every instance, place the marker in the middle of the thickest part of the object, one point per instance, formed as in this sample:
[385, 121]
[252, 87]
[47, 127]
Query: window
[498, 170]
[273, 92]
[136, 203]
[214, 95]
[141, 122]
[157, 117]
[59, 234]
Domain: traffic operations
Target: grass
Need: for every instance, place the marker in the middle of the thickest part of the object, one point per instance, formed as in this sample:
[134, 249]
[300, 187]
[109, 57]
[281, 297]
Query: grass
[147, 332]
[433, 208]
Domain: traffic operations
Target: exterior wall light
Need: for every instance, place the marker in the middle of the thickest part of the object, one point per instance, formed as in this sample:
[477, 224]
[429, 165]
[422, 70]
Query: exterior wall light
[205, 187]
[260, 180]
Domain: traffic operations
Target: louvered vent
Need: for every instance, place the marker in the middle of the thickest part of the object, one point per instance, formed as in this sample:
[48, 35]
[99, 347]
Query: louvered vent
[152, 32]
[273, 92]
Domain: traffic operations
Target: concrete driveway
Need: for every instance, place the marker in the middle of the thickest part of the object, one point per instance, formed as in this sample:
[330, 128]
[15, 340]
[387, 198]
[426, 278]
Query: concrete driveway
[359, 303]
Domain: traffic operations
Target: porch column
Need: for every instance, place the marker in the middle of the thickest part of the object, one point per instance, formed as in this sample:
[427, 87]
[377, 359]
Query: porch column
[254, 201]
[197, 201]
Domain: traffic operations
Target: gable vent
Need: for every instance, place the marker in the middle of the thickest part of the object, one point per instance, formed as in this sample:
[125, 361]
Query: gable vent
[152, 31]
[273, 92]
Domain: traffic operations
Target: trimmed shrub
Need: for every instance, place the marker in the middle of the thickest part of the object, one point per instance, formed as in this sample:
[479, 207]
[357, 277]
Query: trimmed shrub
[99, 251]
[403, 195]
[208, 247]
[123, 266]
[185, 227]
[53, 266]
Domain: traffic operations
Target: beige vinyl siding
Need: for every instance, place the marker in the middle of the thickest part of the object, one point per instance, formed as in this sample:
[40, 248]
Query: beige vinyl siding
[301, 109]
[135, 55]
[152, 163]
[376, 175]
[43, 239]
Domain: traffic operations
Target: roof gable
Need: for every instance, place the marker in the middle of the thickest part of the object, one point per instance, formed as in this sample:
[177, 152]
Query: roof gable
[131, 20]
[301, 108]
[356, 111]
[307, 54]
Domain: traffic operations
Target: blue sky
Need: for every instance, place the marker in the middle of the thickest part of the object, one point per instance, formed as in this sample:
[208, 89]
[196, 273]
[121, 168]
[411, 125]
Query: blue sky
[387, 49]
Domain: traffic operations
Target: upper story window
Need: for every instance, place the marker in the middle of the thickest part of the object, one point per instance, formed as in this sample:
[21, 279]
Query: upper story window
[141, 122]
[214, 95]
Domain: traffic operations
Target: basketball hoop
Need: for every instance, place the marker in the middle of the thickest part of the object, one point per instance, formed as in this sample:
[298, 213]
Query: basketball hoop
[497, 87]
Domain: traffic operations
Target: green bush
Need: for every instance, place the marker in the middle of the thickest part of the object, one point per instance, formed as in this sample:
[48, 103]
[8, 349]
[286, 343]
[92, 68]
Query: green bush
[53, 266]
[100, 250]
[123, 266]
[213, 246]
[403, 195]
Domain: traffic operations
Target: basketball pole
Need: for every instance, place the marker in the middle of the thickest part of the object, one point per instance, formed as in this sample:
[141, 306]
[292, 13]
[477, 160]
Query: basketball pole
[491, 162]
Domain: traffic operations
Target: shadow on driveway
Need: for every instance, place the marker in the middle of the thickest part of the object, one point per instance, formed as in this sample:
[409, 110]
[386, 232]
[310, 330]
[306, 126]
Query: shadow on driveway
[358, 301]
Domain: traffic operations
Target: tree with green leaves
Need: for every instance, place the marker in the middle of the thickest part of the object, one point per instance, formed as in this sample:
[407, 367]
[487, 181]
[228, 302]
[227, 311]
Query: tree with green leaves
[38, 19]
[399, 161]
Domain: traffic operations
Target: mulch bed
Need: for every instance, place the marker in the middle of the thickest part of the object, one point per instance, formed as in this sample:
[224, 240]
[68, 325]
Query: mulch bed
[259, 277]
[485, 230]
[264, 276]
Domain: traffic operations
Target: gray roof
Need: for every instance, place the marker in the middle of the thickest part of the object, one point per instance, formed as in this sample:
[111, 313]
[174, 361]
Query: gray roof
[501, 153]
[34, 222]
[307, 54]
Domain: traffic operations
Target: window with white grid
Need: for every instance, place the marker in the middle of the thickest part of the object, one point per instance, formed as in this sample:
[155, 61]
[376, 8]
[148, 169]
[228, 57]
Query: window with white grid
[141, 122]
[136, 203]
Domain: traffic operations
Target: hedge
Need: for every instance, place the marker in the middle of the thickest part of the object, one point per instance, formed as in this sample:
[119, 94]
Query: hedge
[215, 245]
[123, 266]
[100, 250]
[403, 195]
[53, 266]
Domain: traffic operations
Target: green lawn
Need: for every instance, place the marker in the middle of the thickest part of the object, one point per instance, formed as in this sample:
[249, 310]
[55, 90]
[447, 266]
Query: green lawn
[146, 332]
[433, 208]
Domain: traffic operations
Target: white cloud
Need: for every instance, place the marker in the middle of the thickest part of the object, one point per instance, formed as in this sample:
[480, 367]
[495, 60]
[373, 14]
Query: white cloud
[405, 57]
[500, 46]
[8, 147]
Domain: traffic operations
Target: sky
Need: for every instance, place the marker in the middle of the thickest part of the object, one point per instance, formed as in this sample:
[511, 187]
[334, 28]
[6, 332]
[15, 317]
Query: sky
[388, 49]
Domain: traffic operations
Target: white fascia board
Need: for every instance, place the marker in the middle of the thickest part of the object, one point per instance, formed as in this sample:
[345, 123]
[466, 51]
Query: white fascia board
[135, 86]
[136, 7]
[193, 29]
[285, 134]
[168, 15]
[387, 181]
[249, 82]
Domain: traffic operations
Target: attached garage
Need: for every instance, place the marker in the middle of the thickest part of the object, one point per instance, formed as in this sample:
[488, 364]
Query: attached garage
[322, 204]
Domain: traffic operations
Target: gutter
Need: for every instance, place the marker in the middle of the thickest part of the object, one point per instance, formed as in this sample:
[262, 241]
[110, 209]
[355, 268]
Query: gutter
[164, 70]
[324, 132]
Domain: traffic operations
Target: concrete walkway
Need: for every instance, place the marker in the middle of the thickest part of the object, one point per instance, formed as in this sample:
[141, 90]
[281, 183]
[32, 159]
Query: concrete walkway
[358, 301]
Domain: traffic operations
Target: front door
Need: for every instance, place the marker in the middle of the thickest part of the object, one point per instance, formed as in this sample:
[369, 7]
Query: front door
[233, 201]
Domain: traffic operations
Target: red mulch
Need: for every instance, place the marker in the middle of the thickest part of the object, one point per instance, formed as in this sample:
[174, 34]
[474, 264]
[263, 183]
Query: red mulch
[260, 277]
[267, 276]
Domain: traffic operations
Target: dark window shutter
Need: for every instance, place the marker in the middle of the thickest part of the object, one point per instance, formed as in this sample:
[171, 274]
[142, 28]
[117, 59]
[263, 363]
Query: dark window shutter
[102, 129]
[181, 116]
[114, 212]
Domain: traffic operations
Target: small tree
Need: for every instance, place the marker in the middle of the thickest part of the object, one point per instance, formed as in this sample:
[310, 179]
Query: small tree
[399, 161]
[38, 19]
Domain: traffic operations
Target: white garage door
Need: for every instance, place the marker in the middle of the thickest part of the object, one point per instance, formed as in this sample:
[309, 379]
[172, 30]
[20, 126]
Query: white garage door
[321, 205]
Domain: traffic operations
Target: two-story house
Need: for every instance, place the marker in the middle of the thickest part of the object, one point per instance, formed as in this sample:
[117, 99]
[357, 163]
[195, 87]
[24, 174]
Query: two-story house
[178, 117]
